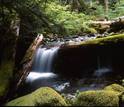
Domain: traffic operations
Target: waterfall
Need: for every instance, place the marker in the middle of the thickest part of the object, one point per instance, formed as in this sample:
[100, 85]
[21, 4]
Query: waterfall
[43, 59]
[102, 69]
[43, 63]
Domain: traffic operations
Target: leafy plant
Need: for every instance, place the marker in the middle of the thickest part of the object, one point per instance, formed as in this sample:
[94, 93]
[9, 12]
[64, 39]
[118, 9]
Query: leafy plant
[72, 22]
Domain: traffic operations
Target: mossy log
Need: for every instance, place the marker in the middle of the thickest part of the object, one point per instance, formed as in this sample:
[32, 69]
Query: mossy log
[81, 59]
[96, 42]
[28, 60]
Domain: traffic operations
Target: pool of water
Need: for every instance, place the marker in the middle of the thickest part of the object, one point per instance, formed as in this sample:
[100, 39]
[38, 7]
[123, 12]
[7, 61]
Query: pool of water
[67, 85]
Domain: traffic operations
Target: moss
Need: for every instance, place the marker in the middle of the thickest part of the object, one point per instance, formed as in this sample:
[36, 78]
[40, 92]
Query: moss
[113, 39]
[90, 30]
[5, 75]
[41, 97]
[122, 100]
[97, 98]
[115, 87]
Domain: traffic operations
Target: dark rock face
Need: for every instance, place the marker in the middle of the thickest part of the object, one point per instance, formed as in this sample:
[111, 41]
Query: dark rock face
[75, 61]
[83, 60]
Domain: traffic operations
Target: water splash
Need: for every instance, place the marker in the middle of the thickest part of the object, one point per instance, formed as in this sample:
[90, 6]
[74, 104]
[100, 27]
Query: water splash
[101, 71]
[36, 75]
[43, 59]
[43, 64]
[62, 86]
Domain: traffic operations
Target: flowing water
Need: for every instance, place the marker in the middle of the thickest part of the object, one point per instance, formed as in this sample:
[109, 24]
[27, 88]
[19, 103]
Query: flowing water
[43, 59]
[42, 74]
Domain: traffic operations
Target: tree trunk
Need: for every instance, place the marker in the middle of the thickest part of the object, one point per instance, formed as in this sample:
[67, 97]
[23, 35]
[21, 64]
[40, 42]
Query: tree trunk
[28, 60]
[106, 6]
[26, 64]
[91, 3]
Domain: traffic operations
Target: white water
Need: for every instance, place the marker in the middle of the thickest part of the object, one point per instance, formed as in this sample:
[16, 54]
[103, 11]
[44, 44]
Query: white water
[36, 75]
[43, 59]
[42, 73]
[43, 64]
[101, 70]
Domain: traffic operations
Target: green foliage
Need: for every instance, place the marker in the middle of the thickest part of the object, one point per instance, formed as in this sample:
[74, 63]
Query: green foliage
[41, 97]
[116, 9]
[117, 12]
[73, 22]
[97, 98]
[99, 12]
[31, 12]
[60, 13]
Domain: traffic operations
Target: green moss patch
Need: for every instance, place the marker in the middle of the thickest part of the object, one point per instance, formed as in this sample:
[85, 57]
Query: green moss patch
[113, 39]
[97, 98]
[122, 100]
[5, 75]
[115, 87]
[41, 97]
[105, 40]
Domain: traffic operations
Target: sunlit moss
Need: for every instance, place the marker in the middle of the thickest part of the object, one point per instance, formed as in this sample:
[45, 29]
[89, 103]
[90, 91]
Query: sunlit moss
[41, 97]
[115, 87]
[97, 98]
[105, 40]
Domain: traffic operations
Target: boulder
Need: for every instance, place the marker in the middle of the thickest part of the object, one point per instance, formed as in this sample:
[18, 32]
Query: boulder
[81, 59]
[115, 87]
[97, 98]
[41, 97]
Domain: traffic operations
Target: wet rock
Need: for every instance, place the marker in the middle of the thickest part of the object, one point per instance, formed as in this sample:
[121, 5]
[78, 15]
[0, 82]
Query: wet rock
[115, 87]
[41, 97]
[81, 58]
[97, 98]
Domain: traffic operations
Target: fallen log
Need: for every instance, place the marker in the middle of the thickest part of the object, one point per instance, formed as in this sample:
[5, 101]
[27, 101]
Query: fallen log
[108, 22]
[114, 25]
[102, 22]
[28, 60]
[81, 60]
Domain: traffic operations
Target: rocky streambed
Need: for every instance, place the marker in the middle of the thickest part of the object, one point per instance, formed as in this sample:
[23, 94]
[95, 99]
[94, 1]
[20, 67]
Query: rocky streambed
[111, 95]
[85, 65]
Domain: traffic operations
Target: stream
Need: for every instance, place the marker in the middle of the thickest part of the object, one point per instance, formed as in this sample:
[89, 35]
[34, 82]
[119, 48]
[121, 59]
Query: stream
[43, 73]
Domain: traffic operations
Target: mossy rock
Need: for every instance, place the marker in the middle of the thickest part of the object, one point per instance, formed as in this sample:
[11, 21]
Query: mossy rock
[5, 75]
[104, 41]
[115, 87]
[122, 101]
[41, 97]
[97, 98]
